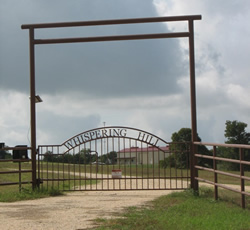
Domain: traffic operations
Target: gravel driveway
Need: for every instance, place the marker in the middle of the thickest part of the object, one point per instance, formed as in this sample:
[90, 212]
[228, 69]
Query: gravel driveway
[75, 210]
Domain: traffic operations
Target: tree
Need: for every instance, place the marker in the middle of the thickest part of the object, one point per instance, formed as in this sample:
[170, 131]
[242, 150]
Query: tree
[182, 155]
[109, 158]
[48, 156]
[4, 154]
[235, 132]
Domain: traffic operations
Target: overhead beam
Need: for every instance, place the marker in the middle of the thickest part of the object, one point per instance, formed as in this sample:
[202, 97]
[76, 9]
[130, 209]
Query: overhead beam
[112, 22]
[111, 38]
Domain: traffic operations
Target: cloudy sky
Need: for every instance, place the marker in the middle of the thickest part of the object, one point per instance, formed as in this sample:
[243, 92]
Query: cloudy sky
[141, 84]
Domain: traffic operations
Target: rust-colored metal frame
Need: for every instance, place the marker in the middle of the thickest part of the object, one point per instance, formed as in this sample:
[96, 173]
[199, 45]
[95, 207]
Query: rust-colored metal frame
[142, 159]
[189, 34]
[241, 177]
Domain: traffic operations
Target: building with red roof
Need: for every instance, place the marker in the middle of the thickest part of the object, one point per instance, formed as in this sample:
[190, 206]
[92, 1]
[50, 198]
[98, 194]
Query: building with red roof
[146, 155]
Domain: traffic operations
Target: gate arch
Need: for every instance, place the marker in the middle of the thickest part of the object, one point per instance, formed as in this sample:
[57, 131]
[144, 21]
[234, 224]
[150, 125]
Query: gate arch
[113, 158]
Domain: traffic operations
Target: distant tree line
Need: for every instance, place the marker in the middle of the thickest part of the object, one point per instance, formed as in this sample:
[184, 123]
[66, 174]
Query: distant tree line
[5, 154]
[85, 156]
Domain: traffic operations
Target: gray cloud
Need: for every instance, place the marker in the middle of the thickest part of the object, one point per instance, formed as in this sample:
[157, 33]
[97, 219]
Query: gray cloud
[58, 128]
[146, 81]
[100, 69]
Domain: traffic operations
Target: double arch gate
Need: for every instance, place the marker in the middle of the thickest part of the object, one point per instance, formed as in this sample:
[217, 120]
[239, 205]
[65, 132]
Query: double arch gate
[114, 158]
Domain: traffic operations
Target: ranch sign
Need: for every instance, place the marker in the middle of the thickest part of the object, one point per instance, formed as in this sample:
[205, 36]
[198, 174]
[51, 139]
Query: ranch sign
[112, 132]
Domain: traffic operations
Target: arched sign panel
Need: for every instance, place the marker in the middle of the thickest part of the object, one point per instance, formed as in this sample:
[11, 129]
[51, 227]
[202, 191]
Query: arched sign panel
[114, 132]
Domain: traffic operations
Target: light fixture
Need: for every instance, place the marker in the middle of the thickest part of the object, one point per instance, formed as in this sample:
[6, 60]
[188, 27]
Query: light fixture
[38, 99]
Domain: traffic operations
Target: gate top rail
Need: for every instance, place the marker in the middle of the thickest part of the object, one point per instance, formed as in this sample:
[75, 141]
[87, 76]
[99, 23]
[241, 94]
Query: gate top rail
[112, 22]
[223, 145]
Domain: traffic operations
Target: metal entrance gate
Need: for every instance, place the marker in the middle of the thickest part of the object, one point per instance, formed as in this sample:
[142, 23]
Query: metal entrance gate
[114, 158]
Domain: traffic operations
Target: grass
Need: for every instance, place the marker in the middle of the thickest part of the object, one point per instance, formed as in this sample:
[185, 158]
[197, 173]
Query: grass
[28, 194]
[182, 210]
[13, 193]
[74, 175]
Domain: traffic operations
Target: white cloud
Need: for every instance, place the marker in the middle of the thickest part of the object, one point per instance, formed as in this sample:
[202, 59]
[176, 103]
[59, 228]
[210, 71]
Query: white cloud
[14, 117]
[72, 105]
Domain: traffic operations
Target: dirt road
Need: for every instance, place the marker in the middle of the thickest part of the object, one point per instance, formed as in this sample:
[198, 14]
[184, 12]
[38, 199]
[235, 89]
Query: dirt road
[74, 211]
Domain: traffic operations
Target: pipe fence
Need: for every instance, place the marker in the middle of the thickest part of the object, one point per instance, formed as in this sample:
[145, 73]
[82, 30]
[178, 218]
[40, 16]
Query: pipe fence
[223, 165]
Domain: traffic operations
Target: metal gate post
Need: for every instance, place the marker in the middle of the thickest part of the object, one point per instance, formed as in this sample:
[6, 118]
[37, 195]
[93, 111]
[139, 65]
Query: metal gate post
[194, 171]
[33, 106]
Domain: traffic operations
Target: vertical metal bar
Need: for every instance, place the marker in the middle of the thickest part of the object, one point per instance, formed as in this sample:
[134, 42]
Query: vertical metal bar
[136, 162]
[148, 163]
[159, 172]
[142, 164]
[58, 169]
[194, 172]
[107, 150]
[114, 181]
[32, 106]
[153, 168]
[105, 165]
[38, 169]
[176, 170]
[164, 171]
[74, 168]
[79, 167]
[47, 169]
[63, 171]
[69, 177]
[130, 165]
[170, 171]
[215, 174]
[85, 165]
[242, 181]
[90, 165]
[53, 168]
[42, 162]
[188, 164]
[125, 166]
[96, 155]
[119, 167]
[20, 176]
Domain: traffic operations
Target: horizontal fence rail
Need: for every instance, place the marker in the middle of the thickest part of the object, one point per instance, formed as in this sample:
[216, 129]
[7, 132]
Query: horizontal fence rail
[238, 168]
[13, 167]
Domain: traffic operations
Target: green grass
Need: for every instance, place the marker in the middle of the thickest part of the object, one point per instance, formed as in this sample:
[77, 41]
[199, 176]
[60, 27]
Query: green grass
[128, 170]
[48, 188]
[28, 194]
[182, 210]
[55, 171]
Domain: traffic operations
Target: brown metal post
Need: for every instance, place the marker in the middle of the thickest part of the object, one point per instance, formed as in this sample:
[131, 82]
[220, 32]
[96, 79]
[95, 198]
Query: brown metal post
[242, 181]
[194, 171]
[215, 174]
[20, 176]
[32, 106]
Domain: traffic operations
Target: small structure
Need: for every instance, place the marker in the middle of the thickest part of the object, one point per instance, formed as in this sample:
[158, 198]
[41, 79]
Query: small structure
[147, 155]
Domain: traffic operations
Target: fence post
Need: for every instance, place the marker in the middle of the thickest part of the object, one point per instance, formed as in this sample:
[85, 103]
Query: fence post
[20, 176]
[215, 174]
[242, 181]
[194, 171]
[33, 106]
